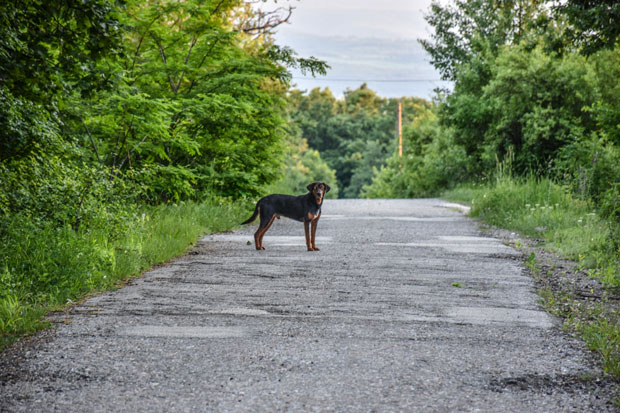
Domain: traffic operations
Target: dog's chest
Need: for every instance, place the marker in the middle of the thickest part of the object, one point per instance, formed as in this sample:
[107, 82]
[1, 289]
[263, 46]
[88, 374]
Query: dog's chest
[313, 214]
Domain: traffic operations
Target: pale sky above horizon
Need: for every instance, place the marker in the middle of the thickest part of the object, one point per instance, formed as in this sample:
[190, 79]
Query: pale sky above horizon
[358, 18]
[362, 40]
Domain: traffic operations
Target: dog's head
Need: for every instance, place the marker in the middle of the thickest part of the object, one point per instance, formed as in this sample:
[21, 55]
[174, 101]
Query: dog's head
[318, 190]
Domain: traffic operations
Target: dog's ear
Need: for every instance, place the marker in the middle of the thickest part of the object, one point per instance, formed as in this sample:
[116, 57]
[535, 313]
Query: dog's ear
[311, 186]
[327, 188]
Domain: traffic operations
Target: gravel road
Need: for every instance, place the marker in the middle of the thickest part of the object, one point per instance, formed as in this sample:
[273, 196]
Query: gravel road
[407, 307]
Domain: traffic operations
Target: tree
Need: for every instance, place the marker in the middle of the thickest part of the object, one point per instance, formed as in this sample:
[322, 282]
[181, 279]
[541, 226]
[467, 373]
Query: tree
[594, 24]
[355, 134]
[197, 107]
[536, 103]
[48, 50]
[468, 28]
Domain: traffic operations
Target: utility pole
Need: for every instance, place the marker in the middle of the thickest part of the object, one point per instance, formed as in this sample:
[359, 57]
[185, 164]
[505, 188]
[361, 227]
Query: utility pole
[399, 129]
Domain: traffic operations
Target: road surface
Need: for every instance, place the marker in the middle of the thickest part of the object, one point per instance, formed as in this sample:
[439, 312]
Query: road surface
[407, 307]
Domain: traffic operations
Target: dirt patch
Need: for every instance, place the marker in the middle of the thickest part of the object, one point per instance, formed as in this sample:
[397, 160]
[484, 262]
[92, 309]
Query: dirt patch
[548, 384]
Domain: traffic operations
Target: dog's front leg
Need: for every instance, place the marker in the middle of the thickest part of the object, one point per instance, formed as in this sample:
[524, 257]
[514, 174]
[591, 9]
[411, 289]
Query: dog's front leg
[313, 233]
[307, 231]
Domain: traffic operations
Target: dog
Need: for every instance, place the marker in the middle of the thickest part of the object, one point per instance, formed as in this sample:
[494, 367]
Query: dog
[304, 208]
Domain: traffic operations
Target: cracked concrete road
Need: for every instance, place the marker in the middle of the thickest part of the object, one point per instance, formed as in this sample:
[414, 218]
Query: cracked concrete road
[407, 307]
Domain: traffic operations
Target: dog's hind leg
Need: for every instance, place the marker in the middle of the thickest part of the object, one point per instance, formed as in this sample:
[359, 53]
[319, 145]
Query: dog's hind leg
[266, 220]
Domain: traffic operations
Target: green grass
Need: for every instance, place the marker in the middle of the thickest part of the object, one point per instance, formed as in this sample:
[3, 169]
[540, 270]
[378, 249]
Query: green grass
[568, 226]
[541, 209]
[603, 336]
[43, 267]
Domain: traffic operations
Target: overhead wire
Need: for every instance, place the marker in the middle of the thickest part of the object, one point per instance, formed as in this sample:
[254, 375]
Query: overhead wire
[322, 79]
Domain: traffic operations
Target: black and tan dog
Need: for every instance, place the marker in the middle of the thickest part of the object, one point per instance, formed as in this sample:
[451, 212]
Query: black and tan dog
[304, 208]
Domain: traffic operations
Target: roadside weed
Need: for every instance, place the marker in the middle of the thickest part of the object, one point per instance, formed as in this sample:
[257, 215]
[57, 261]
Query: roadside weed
[538, 208]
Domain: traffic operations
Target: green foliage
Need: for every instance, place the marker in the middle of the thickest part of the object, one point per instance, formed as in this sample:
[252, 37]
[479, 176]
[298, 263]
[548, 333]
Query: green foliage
[24, 126]
[603, 336]
[303, 166]
[190, 113]
[466, 29]
[430, 161]
[354, 135]
[536, 103]
[594, 23]
[49, 48]
[521, 93]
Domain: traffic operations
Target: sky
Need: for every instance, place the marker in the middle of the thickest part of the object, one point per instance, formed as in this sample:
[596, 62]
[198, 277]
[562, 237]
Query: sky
[368, 41]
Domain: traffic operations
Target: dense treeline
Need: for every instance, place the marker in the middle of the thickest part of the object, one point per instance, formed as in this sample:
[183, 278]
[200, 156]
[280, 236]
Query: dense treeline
[355, 134]
[109, 109]
[536, 88]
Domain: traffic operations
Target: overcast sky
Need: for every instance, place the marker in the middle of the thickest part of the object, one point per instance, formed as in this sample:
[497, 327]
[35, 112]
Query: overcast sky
[362, 40]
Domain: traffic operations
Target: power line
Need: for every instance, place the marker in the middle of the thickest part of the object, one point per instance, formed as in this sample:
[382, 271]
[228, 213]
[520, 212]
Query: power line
[369, 80]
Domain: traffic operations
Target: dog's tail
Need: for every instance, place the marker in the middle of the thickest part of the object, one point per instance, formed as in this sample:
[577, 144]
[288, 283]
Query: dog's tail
[254, 215]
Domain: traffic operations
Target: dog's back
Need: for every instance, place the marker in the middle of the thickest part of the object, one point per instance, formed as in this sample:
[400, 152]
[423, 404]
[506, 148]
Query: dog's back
[286, 205]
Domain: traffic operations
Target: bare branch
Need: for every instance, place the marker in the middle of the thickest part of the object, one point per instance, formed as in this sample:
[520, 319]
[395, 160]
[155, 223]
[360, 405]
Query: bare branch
[265, 21]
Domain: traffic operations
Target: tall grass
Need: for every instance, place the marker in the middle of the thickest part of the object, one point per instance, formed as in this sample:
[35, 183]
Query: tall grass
[542, 209]
[43, 267]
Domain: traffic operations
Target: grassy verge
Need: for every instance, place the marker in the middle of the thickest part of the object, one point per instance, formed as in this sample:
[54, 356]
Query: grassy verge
[43, 267]
[542, 209]
[572, 229]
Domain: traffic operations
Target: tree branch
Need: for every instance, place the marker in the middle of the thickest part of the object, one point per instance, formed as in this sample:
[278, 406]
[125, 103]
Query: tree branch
[265, 21]
[92, 141]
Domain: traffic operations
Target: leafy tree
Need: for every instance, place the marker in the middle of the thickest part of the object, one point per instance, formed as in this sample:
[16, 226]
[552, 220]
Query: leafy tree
[354, 134]
[536, 102]
[431, 162]
[48, 50]
[194, 109]
[594, 24]
[465, 29]
[520, 90]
